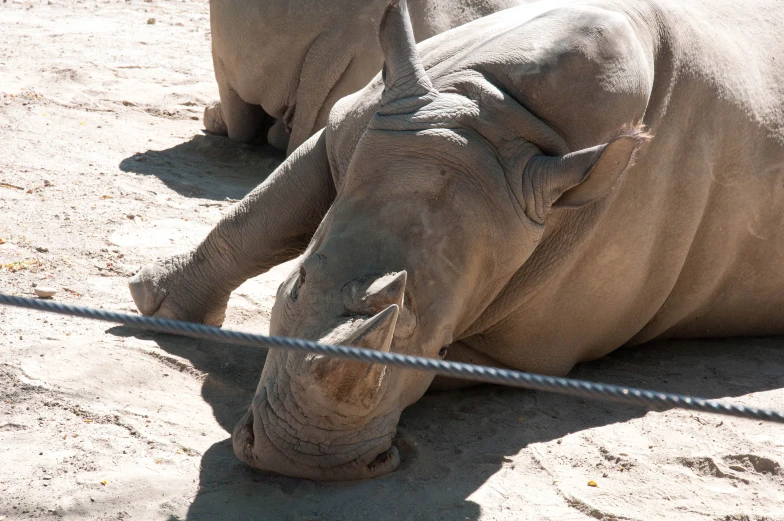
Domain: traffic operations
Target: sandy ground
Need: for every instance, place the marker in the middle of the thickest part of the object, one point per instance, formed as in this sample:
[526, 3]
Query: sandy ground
[105, 167]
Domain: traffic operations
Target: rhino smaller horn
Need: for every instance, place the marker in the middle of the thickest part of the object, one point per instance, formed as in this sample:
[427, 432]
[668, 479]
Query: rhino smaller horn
[376, 333]
[404, 75]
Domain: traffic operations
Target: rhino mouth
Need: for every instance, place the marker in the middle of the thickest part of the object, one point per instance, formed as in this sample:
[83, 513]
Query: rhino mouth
[273, 443]
[388, 458]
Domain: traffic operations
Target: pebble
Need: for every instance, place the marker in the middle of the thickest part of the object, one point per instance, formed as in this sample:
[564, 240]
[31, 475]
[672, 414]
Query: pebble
[45, 292]
[151, 21]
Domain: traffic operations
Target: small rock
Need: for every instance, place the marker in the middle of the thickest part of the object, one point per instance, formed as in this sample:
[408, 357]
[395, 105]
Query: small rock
[151, 21]
[45, 292]
[92, 500]
[41, 249]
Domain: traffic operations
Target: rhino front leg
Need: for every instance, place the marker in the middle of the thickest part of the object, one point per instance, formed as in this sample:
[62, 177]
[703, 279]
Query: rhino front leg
[232, 116]
[274, 223]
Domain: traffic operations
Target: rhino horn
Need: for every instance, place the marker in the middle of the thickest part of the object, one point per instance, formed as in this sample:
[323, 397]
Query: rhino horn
[377, 331]
[355, 385]
[403, 73]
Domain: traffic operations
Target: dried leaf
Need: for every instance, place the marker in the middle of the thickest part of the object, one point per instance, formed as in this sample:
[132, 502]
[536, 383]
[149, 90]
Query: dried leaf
[106, 197]
[2, 241]
[592, 483]
[103, 483]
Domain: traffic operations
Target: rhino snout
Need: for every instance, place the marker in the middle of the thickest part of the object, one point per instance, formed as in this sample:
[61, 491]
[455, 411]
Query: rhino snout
[265, 441]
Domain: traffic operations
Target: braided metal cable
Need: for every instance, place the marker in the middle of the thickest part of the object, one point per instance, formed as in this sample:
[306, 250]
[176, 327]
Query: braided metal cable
[568, 386]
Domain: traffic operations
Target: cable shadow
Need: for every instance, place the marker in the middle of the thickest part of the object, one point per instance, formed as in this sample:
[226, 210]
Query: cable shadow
[207, 166]
[452, 442]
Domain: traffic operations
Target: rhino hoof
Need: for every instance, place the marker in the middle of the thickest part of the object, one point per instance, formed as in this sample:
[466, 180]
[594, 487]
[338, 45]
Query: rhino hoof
[213, 119]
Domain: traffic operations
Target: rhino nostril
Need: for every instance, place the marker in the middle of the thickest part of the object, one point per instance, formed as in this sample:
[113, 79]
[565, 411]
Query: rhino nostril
[244, 439]
[383, 458]
[442, 352]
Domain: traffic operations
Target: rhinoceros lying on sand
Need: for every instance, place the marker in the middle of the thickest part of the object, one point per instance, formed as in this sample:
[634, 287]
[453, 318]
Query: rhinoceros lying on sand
[497, 203]
[288, 62]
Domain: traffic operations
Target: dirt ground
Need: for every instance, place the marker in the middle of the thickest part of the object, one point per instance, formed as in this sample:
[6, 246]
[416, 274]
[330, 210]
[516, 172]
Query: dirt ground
[104, 167]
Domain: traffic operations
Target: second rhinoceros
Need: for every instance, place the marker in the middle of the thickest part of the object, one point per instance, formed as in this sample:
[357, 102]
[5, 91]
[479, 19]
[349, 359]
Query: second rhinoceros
[282, 64]
[496, 201]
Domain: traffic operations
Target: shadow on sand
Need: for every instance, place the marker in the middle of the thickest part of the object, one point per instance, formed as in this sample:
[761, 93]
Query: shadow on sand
[207, 166]
[450, 442]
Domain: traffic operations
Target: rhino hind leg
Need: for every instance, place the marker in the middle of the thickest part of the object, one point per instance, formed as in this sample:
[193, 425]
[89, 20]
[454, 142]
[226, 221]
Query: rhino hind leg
[232, 116]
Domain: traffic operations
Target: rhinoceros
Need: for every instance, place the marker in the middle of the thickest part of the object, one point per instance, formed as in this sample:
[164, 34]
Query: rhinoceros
[282, 64]
[493, 198]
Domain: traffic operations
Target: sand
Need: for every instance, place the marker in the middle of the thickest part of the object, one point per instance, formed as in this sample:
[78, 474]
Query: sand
[100, 128]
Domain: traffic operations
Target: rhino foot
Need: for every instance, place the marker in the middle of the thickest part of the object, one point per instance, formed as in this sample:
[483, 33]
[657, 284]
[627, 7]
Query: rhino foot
[213, 119]
[176, 289]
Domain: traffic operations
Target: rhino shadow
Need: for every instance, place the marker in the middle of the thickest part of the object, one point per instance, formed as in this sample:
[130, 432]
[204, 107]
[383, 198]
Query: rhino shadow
[452, 442]
[207, 166]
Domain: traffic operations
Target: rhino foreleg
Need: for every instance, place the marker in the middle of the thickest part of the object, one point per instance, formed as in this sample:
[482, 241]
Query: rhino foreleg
[272, 224]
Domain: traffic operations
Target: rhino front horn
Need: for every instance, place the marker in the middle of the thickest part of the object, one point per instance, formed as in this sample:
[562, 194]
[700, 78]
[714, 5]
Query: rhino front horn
[377, 331]
[353, 388]
[403, 73]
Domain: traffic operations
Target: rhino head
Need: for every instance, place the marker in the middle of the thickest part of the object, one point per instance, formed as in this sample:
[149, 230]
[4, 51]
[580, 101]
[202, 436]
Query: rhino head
[444, 199]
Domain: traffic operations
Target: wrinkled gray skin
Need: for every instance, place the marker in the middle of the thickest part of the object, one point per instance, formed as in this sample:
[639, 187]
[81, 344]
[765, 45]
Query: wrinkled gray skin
[494, 205]
[282, 64]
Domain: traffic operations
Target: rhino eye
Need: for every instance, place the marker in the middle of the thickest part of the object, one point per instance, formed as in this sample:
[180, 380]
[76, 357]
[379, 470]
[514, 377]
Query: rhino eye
[442, 351]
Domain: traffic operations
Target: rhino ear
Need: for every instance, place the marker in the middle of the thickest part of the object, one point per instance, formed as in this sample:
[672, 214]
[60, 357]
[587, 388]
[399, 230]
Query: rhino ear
[578, 178]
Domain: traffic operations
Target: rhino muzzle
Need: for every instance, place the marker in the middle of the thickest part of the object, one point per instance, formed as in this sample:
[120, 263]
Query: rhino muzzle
[269, 438]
